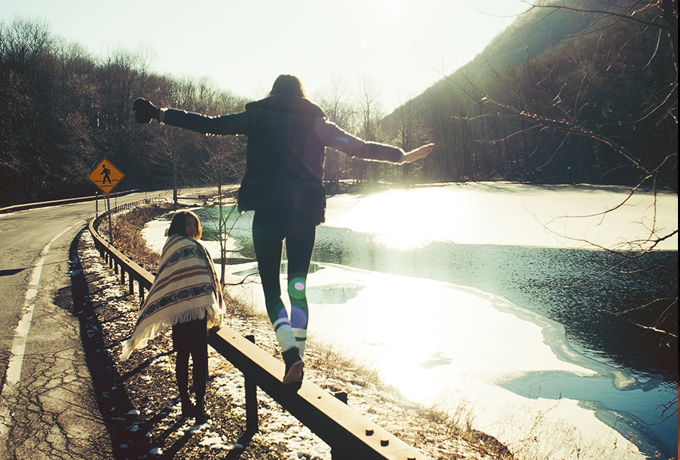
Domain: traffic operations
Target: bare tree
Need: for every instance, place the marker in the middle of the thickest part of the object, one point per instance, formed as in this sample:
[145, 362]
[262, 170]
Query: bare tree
[222, 165]
[339, 111]
[626, 84]
[411, 133]
[370, 114]
[599, 106]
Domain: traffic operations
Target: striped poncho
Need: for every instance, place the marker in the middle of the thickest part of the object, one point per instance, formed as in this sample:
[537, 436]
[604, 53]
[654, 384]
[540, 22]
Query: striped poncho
[185, 289]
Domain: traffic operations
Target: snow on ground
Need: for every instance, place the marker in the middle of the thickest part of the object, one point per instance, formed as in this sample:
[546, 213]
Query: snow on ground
[373, 400]
[451, 354]
[454, 350]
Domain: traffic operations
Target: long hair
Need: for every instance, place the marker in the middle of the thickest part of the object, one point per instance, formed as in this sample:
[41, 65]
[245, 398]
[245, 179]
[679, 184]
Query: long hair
[178, 225]
[288, 84]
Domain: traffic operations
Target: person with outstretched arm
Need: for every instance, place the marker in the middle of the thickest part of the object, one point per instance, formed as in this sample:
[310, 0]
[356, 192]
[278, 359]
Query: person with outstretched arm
[287, 135]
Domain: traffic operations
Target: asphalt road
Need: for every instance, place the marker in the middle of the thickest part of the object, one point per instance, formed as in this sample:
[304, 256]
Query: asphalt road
[47, 406]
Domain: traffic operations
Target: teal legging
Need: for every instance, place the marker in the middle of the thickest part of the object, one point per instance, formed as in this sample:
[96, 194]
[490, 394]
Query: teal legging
[269, 231]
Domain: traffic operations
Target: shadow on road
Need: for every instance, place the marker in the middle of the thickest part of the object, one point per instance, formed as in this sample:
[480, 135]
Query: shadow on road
[127, 430]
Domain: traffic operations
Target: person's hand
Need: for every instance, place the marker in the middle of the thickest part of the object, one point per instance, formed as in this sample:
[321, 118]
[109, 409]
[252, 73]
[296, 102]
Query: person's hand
[145, 111]
[420, 152]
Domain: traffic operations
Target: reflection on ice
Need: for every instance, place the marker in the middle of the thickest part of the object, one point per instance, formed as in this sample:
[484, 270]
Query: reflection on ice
[333, 294]
[403, 219]
[434, 362]
[507, 214]
[449, 347]
[507, 370]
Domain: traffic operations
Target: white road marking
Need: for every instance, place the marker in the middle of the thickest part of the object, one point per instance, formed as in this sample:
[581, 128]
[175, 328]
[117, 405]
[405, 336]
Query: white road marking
[18, 349]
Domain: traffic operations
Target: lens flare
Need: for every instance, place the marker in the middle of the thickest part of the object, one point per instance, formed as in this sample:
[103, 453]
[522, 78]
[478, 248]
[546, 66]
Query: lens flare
[296, 288]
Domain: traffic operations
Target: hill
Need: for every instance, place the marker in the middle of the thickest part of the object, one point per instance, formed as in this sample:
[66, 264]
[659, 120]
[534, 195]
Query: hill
[543, 101]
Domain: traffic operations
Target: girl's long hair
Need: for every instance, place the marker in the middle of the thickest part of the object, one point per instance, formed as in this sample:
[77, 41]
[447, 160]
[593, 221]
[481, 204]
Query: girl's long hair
[178, 225]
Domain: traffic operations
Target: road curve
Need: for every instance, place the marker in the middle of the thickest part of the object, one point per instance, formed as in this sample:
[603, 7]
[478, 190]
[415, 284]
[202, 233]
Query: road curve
[47, 405]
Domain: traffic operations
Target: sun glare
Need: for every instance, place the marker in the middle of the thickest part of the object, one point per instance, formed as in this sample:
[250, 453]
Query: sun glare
[393, 217]
[402, 219]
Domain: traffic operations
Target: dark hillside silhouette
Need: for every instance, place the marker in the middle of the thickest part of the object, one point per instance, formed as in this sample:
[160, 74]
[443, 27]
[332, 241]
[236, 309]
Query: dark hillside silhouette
[572, 92]
[575, 93]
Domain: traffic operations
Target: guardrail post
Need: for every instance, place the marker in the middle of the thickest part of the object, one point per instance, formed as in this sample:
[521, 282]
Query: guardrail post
[252, 422]
[338, 455]
[341, 396]
[131, 283]
[336, 452]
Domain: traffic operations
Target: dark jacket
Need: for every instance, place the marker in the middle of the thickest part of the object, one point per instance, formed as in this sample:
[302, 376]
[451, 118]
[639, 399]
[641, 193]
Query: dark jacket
[287, 137]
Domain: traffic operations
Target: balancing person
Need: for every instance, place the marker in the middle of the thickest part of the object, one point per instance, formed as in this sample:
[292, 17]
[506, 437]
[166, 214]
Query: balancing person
[287, 135]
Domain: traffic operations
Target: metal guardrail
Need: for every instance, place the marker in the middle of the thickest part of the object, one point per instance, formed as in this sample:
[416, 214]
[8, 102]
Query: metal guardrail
[42, 204]
[119, 262]
[350, 435]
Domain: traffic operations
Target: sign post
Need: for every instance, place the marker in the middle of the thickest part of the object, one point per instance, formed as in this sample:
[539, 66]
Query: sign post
[106, 176]
[108, 209]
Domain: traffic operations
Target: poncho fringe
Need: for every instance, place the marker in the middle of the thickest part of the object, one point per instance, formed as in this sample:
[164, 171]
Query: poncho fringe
[185, 289]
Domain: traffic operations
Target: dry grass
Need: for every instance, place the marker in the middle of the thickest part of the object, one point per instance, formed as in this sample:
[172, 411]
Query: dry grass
[127, 236]
[434, 426]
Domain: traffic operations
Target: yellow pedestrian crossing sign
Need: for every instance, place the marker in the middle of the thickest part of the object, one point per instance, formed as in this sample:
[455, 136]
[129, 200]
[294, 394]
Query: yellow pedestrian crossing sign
[105, 176]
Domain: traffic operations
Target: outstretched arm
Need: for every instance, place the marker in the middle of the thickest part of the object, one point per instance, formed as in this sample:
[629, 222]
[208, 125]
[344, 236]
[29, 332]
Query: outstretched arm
[416, 154]
[235, 123]
[339, 139]
[145, 111]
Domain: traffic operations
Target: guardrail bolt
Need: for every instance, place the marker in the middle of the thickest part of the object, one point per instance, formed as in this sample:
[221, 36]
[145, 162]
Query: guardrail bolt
[385, 442]
[369, 432]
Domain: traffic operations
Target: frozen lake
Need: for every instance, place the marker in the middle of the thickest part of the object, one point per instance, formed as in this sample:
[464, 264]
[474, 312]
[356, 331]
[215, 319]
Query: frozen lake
[477, 299]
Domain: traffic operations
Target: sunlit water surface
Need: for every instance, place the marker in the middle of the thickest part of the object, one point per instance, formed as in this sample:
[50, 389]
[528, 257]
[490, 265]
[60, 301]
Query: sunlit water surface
[456, 295]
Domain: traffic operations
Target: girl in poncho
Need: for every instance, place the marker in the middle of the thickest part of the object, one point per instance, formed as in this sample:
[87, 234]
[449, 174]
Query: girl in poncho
[187, 297]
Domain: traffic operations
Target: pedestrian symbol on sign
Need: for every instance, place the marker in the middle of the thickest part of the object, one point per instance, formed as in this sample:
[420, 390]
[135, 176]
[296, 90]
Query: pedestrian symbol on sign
[106, 173]
[105, 176]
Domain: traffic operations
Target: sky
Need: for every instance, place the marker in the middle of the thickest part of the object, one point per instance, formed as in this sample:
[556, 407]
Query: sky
[396, 47]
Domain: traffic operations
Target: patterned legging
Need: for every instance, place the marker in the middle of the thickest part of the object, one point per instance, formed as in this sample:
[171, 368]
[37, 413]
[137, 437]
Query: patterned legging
[268, 235]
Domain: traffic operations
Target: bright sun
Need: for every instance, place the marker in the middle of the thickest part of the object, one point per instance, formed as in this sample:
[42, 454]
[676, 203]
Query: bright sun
[401, 219]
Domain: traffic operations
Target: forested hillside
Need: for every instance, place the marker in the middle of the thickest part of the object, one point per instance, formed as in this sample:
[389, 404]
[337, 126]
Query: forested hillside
[573, 92]
[63, 110]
